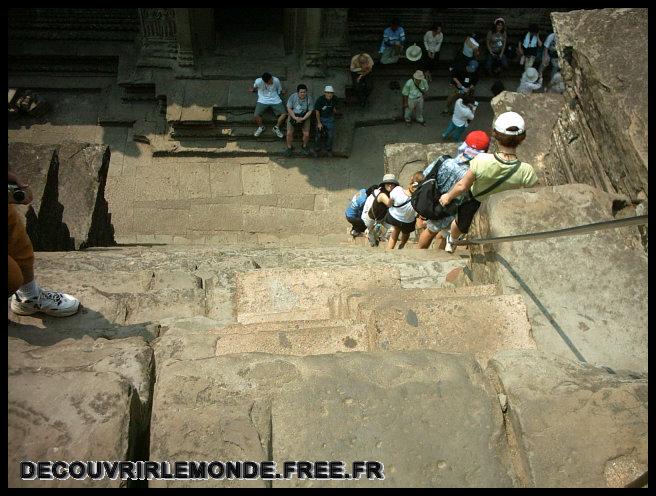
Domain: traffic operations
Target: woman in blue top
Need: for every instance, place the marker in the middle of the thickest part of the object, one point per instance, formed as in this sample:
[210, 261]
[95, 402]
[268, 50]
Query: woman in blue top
[392, 46]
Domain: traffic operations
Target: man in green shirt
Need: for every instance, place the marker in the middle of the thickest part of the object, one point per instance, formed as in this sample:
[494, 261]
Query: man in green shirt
[413, 98]
[491, 173]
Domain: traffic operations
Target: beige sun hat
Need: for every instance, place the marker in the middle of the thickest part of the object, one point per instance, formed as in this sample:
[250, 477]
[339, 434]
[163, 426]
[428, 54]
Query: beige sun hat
[418, 75]
[389, 178]
[413, 53]
[532, 74]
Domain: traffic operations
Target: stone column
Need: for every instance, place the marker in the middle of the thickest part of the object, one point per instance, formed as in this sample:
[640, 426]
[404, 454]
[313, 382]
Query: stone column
[185, 55]
[312, 49]
[334, 37]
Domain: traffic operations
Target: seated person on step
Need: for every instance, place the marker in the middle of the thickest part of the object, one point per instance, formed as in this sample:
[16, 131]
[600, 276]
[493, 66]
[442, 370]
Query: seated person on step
[299, 109]
[269, 90]
[361, 66]
[325, 111]
[391, 47]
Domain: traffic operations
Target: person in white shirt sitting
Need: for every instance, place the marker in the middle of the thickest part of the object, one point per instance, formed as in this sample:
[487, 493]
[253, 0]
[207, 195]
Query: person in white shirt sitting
[463, 114]
[268, 89]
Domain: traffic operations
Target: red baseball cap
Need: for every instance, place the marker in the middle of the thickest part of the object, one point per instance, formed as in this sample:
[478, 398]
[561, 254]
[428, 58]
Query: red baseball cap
[478, 140]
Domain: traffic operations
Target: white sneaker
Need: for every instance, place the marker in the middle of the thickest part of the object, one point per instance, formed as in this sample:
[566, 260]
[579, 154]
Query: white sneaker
[450, 247]
[258, 131]
[277, 131]
[48, 302]
[371, 236]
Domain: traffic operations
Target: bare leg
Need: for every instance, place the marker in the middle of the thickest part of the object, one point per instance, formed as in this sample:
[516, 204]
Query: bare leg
[290, 138]
[404, 240]
[394, 236]
[425, 239]
[258, 120]
[455, 232]
[440, 242]
[281, 119]
[306, 138]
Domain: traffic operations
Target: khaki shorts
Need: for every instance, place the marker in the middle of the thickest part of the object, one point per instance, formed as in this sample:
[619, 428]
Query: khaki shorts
[292, 125]
[277, 108]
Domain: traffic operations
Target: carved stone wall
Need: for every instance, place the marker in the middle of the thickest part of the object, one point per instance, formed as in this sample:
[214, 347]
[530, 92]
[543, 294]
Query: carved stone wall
[157, 24]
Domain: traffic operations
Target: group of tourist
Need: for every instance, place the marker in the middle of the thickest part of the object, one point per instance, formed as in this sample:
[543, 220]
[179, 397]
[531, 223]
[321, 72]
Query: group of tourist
[298, 113]
[442, 199]
[531, 52]
[301, 108]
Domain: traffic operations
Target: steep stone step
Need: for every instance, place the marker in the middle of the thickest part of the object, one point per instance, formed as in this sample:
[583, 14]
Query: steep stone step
[188, 340]
[360, 305]
[423, 405]
[116, 315]
[311, 341]
[481, 326]
[302, 294]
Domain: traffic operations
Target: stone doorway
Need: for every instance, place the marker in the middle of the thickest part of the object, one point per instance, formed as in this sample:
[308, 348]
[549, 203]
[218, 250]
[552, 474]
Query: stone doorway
[255, 33]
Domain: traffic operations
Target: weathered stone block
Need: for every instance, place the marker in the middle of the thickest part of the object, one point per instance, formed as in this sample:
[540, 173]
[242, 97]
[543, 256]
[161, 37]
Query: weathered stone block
[61, 415]
[601, 139]
[587, 294]
[299, 294]
[572, 424]
[264, 407]
[69, 211]
[481, 327]
[301, 342]
[404, 159]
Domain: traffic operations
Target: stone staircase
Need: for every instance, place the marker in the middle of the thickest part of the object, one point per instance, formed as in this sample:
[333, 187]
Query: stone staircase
[243, 353]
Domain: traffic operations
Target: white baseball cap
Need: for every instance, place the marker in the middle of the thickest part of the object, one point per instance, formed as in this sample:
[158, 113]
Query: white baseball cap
[329, 89]
[508, 120]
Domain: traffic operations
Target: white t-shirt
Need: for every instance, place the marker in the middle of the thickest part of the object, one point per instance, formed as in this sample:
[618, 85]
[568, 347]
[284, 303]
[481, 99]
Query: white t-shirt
[405, 213]
[551, 40]
[268, 94]
[467, 50]
[527, 87]
[369, 203]
[433, 43]
[461, 113]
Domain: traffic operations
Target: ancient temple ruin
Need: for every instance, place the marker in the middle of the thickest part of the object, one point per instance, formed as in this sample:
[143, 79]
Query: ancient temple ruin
[227, 314]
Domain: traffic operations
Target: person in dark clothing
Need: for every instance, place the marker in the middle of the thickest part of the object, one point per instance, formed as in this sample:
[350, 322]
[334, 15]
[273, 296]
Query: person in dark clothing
[464, 78]
[324, 110]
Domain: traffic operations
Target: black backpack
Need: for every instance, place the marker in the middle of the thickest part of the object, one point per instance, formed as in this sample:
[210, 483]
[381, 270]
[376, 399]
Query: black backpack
[425, 198]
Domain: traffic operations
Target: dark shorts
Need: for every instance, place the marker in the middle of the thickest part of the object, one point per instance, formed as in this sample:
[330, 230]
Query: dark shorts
[466, 213]
[406, 227]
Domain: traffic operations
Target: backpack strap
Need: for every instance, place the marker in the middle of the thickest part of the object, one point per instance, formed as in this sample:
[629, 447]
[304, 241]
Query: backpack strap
[500, 181]
[403, 204]
[417, 86]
